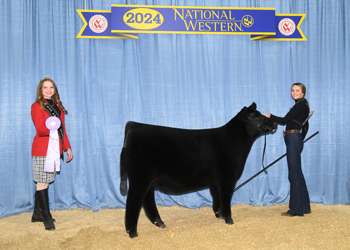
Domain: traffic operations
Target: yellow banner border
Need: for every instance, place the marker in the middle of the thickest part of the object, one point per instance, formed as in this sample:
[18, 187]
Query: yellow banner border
[190, 7]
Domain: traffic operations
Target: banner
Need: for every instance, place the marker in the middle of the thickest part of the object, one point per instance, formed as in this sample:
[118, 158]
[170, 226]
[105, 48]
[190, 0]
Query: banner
[192, 20]
[126, 21]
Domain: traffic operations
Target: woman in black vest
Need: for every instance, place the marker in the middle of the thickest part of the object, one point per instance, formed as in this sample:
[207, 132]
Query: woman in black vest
[299, 203]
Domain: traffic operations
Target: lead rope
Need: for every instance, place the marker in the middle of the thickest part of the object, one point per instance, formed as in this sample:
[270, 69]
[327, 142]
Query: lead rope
[251, 178]
[262, 161]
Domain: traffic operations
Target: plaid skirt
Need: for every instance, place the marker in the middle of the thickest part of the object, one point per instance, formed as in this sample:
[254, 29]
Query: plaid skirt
[38, 170]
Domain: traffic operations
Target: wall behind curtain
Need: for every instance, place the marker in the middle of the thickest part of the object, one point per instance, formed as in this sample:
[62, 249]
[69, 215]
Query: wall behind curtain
[185, 81]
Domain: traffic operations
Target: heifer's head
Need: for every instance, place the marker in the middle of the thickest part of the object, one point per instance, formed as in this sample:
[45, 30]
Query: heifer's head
[256, 122]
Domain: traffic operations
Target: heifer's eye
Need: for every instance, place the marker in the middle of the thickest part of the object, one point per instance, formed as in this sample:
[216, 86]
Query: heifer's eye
[254, 116]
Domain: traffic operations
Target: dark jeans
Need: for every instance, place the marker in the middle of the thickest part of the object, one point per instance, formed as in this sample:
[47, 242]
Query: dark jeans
[299, 203]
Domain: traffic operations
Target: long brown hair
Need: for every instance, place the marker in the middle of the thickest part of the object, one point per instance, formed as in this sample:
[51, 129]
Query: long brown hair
[303, 89]
[55, 96]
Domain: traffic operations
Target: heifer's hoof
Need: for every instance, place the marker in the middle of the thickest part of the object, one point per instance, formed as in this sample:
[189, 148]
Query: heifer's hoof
[133, 235]
[159, 224]
[218, 215]
[229, 221]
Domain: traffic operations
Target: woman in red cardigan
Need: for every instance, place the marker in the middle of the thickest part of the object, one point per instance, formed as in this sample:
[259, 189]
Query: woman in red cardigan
[47, 104]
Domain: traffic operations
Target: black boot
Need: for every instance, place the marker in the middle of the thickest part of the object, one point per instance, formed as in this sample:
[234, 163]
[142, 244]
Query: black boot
[47, 203]
[37, 214]
[43, 198]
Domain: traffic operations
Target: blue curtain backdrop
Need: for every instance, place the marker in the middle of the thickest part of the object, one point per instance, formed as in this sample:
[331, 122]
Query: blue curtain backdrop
[185, 81]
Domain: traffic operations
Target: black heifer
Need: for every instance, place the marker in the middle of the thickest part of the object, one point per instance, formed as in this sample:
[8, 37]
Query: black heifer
[178, 161]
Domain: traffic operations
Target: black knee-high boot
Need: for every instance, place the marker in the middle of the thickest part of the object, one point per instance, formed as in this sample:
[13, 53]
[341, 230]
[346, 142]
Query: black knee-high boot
[43, 198]
[37, 214]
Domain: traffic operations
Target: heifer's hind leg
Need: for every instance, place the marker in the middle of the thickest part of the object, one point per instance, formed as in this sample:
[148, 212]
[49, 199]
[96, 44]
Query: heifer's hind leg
[216, 201]
[134, 201]
[149, 205]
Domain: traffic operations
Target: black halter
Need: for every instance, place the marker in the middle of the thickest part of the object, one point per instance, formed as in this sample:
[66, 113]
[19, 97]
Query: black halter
[258, 124]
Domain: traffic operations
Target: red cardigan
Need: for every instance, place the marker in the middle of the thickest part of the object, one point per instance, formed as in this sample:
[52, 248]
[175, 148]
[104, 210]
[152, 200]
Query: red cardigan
[41, 139]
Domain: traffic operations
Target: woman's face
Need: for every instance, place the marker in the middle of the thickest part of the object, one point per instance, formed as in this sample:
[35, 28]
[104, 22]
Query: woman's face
[48, 89]
[297, 93]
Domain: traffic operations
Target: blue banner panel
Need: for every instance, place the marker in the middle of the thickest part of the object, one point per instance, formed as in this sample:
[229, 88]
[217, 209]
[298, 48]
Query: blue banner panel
[192, 20]
[287, 29]
[97, 24]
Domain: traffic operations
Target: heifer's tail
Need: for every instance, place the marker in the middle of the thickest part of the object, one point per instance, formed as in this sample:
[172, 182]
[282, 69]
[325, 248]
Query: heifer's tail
[123, 175]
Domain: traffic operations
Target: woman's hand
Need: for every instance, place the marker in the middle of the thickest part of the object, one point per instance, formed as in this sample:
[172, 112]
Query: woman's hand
[268, 115]
[70, 155]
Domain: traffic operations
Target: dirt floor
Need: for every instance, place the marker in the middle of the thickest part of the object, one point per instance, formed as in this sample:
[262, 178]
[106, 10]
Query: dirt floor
[327, 227]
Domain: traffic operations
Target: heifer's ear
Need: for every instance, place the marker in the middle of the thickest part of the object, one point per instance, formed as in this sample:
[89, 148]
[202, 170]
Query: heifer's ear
[253, 106]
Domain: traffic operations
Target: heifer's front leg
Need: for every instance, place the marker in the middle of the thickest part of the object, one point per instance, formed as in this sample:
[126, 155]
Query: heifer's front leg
[149, 205]
[216, 201]
[134, 201]
[225, 198]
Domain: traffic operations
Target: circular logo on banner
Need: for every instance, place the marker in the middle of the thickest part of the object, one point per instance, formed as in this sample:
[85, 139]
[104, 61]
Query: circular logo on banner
[286, 26]
[98, 23]
[247, 21]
